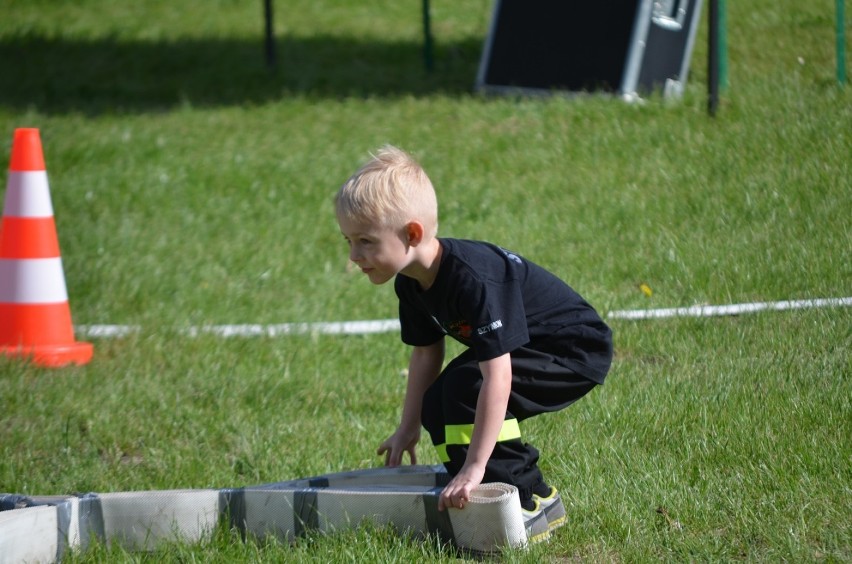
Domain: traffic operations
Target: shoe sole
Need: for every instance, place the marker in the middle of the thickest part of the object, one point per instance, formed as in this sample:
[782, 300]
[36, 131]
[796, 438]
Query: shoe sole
[553, 510]
[537, 527]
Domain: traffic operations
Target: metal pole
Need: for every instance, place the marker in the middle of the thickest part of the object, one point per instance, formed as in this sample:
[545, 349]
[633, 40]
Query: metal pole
[270, 35]
[427, 37]
[723, 44]
[713, 59]
[841, 43]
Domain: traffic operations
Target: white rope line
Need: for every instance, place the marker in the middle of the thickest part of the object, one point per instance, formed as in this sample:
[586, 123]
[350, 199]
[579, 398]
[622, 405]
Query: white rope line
[731, 309]
[256, 330]
[368, 327]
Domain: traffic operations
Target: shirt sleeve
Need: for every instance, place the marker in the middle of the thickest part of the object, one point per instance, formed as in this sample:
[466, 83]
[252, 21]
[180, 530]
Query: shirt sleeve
[498, 320]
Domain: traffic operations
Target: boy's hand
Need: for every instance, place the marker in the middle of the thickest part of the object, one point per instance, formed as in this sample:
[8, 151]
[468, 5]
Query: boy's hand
[457, 492]
[393, 447]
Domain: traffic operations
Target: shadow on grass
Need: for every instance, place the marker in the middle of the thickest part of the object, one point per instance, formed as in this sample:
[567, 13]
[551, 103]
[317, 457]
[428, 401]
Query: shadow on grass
[57, 76]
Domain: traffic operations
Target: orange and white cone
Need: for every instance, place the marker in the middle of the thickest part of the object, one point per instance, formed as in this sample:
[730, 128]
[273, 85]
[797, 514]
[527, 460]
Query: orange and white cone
[35, 318]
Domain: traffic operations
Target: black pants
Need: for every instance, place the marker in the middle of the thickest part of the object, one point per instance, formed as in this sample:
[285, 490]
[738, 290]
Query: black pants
[539, 385]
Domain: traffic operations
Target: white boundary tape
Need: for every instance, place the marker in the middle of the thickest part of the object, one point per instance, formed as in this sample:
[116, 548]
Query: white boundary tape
[731, 309]
[392, 325]
[256, 330]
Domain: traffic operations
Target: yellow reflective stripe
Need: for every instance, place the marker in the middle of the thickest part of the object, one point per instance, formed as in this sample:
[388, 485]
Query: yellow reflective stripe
[458, 434]
[442, 453]
[510, 431]
[461, 434]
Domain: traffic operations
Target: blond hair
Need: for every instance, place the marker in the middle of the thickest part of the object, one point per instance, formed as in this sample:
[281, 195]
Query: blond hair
[391, 189]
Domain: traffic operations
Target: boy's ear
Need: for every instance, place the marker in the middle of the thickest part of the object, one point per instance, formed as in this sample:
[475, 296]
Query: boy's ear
[414, 231]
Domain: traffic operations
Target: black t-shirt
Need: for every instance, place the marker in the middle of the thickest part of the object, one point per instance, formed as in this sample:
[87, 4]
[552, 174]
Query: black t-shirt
[495, 301]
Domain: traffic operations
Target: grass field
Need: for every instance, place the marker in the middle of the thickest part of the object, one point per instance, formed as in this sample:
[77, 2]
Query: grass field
[192, 186]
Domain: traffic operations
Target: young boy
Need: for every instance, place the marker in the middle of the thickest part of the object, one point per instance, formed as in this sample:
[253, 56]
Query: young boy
[535, 345]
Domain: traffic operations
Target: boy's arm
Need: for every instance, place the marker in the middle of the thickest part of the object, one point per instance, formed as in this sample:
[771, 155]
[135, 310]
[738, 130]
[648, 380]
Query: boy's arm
[423, 368]
[490, 412]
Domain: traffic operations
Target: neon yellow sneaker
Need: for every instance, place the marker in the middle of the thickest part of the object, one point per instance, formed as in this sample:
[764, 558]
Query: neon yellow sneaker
[553, 508]
[535, 523]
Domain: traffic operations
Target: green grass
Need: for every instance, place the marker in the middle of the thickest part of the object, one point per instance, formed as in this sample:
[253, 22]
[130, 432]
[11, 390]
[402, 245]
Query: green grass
[193, 186]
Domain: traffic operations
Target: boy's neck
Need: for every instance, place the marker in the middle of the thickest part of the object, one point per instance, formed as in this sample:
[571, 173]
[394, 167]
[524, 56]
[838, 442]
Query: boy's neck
[427, 261]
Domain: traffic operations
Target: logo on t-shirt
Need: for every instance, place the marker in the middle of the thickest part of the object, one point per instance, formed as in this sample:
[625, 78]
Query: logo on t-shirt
[511, 256]
[490, 327]
[460, 329]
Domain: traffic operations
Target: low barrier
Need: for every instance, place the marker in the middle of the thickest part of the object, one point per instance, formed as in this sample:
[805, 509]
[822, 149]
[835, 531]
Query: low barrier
[44, 528]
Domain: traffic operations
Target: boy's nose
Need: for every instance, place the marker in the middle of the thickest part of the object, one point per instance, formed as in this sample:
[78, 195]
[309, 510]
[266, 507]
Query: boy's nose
[354, 254]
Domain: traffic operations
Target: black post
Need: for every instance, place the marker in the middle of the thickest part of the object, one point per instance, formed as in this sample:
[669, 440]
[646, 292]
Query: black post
[713, 59]
[427, 37]
[270, 35]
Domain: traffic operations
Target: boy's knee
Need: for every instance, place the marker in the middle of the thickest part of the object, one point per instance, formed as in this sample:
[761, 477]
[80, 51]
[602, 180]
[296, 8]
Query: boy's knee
[462, 381]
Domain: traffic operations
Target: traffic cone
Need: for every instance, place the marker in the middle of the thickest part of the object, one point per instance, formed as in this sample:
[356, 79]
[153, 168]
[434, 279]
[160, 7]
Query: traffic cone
[35, 318]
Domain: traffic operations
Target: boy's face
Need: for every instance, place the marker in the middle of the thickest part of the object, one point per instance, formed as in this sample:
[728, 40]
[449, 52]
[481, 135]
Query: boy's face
[381, 253]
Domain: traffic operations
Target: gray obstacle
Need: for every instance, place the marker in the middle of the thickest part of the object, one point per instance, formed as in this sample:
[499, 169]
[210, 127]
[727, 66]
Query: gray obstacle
[43, 528]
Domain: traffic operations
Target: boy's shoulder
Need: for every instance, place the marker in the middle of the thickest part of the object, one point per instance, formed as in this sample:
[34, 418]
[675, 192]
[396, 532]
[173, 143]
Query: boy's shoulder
[469, 249]
[480, 256]
[464, 264]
